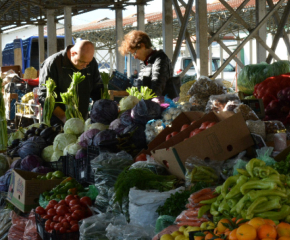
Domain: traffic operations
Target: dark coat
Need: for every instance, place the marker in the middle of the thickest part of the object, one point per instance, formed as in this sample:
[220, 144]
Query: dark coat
[59, 68]
[157, 75]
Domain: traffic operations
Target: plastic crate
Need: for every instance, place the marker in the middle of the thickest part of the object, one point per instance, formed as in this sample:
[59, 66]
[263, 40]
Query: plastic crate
[59, 165]
[77, 168]
[40, 225]
[119, 81]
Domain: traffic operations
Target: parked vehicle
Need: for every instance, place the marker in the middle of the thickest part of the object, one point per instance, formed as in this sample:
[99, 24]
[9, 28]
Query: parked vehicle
[229, 71]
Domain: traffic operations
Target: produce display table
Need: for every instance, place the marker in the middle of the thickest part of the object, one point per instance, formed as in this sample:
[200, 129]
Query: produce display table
[34, 107]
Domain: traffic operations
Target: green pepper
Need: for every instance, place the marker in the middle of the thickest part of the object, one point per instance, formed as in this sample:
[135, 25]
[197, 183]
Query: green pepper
[240, 205]
[275, 179]
[203, 210]
[206, 172]
[218, 189]
[224, 208]
[243, 172]
[208, 201]
[274, 203]
[254, 204]
[69, 185]
[236, 189]
[275, 215]
[255, 162]
[229, 183]
[257, 185]
[232, 202]
[243, 213]
[214, 209]
[261, 172]
[265, 193]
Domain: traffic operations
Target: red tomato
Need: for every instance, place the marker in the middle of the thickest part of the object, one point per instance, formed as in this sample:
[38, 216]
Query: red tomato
[174, 133]
[51, 212]
[42, 216]
[185, 139]
[55, 218]
[61, 210]
[52, 202]
[67, 215]
[168, 137]
[78, 215]
[204, 124]
[194, 132]
[74, 202]
[76, 197]
[62, 230]
[47, 223]
[57, 226]
[69, 218]
[40, 210]
[75, 228]
[60, 218]
[75, 207]
[47, 228]
[73, 222]
[62, 202]
[86, 201]
[56, 206]
[66, 225]
[52, 225]
[64, 220]
[210, 125]
[184, 126]
[68, 198]
[141, 157]
[193, 122]
[49, 206]
[47, 217]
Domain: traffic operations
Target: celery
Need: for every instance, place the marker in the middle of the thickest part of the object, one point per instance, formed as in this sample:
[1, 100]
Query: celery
[3, 122]
[49, 101]
[105, 79]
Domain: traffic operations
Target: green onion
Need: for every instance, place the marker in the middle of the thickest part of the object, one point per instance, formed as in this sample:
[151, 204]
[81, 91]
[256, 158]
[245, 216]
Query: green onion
[49, 101]
[105, 79]
[3, 122]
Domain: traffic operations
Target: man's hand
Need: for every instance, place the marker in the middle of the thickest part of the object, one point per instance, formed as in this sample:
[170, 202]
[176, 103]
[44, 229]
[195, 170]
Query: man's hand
[60, 114]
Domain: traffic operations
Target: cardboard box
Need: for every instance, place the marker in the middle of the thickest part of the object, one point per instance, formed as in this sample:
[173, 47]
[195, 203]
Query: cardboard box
[256, 105]
[227, 138]
[24, 192]
[181, 119]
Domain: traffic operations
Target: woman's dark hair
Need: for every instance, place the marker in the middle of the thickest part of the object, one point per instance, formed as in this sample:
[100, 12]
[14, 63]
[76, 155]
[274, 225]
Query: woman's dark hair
[133, 40]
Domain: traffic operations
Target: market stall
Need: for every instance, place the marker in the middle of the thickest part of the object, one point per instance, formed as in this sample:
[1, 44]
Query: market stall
[207, 165]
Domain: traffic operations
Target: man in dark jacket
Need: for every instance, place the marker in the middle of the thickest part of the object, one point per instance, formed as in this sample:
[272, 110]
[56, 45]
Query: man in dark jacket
[156, 69]
[61, 66]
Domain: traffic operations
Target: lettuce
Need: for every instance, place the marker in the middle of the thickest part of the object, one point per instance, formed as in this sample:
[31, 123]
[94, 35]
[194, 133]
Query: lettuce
[74, 126]
[62, 140]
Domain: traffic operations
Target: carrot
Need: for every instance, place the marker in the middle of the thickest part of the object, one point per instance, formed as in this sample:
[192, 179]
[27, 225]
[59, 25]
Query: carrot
[200, 193]
[205, 197]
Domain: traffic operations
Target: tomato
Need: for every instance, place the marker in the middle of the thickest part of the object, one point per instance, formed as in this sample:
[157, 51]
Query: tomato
[47, 217]
[204, 124]
[52, 202]
[184, 126]
[66, 225]
[40, 210]
[62, 202]
[57, 226]
[41, 216]
[52, 225]
[86, 201]
[210, 125]
[60, 218]
[75, 228]
[62, 230]
[141, 157]
[49, 206]
[74, 202]
[168, 137]
[55, 218]
[68, 198]
[174, 133]
[47, 228]
[51, 212]
[67, 215]
[193, 122]
[69, 218]
[73, 222]
[78, 215]
[75, 207]
[61, 210]
[64, 220]
[47, 223]
[56, 206]
[194, 132]
[76, 197]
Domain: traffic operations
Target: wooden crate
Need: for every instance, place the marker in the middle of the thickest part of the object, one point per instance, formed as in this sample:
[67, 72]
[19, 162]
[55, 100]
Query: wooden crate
[114, 94]
[15, 68]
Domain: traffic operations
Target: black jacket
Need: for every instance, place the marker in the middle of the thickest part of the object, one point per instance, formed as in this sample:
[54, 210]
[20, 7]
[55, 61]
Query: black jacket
[157, 75]
[59, 68]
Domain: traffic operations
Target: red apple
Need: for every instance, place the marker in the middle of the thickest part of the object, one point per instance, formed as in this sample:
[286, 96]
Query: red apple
[184, 126]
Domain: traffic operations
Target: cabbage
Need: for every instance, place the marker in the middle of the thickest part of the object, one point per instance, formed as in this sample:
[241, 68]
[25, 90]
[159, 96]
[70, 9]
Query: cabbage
[36, 125]
[82, 153]
[42, 169]
[87, 124]
[5, 181]
[98, 126]
[104, 111]
[128, 103]
[47, 153]
[71, 149]
[126, 118]
[74, 126]
[39, 140]
[145, 111]
[56, 155]
[30, 162]
[16, 135]
[62, 140]
[3, 164]
[117, 126]
[16, 163]
[29, 148]
[104, 136]
[87, 137]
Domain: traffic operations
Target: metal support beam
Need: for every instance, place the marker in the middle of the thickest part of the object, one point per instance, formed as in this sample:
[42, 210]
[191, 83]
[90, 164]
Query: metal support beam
[250, 36]
[181, 31]
[262, 33]
[119, 37]
[141, 18]
[51, 33]
[67, 26]
[221, 60]
[1, 49]
[280, 31]
[167, 27]
[201, 38]
[41, 44]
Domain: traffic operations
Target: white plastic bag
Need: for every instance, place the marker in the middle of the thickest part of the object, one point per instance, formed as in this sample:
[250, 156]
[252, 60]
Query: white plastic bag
[146, 203]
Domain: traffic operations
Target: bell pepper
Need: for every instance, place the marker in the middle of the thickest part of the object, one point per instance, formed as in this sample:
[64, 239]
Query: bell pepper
[257, 185]
[255, 162]
[231, 181]
[236, 189]
[254, 204]
[66, 180]
[224, 208]
[243, 172]
[265, 193]
[275, 215]
[274, 203]
[203, 210]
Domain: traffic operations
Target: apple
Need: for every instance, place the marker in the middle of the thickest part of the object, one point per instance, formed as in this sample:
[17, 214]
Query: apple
[184, 126]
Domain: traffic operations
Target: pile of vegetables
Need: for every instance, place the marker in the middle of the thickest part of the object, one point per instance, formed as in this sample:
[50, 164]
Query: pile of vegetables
[3, 122]
[49, 101]
[144, 93]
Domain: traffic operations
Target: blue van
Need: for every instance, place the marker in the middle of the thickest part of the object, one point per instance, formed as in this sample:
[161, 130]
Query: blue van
[29, 50]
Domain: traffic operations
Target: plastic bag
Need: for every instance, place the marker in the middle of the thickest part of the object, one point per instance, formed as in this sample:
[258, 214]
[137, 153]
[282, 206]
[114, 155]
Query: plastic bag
[18, 226]
[228, 166]
[247, 112]
[150, 164]
[5, 222]
[147, 202]
[200, 170]
[217, 103]
[257, 127]
[30, 232]
[264, 154]
[274, 126]
[153, 128]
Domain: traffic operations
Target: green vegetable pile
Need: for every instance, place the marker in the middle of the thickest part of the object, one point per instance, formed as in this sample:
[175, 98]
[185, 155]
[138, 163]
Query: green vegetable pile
[143, 179]
[70, 98]
[258, 191]
[145, 93]
[175, 204]
[3, 122]
[283, 167]
[49, 101]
